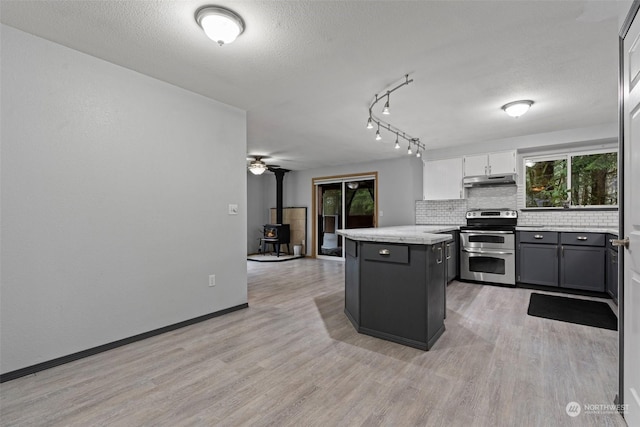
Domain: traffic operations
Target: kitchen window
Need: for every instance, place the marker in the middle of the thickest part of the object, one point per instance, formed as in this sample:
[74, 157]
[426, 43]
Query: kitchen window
[571, 180]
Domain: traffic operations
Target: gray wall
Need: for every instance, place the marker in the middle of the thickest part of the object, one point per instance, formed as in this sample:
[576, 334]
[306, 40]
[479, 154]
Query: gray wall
[114, 202]
[399, 186]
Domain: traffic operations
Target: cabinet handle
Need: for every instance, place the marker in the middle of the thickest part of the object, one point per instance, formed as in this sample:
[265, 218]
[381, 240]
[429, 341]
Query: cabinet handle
[439, 261]
[448, 250]
[582, 238]
[538, 236]
[384, 252]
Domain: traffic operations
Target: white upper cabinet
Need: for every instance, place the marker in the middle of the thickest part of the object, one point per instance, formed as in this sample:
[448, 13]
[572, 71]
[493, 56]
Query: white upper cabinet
[476, 165]
[442, 179]
[502, 163]
[499, 163]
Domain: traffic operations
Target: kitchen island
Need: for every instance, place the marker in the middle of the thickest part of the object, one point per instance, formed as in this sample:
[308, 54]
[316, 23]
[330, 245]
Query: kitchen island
[395, 282]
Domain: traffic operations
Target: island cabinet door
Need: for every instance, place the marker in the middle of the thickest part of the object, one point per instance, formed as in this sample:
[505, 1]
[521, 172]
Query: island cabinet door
[352, 282]
[436, 285]
[393, 291]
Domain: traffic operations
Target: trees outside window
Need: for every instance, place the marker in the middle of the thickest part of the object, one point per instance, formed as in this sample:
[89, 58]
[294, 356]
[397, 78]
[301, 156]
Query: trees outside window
[572, 180]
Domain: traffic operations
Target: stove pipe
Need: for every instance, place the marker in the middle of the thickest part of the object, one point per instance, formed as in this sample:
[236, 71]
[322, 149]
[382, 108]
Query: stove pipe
[279, 180]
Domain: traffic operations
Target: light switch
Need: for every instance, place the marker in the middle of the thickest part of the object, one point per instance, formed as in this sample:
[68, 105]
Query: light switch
[233, 209]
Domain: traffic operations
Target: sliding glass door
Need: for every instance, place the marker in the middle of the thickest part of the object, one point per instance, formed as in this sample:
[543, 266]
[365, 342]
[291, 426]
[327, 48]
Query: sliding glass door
[342, 202]
[329, 219]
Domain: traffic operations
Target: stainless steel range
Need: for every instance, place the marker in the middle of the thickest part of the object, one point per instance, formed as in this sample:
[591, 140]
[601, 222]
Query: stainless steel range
[487, 246]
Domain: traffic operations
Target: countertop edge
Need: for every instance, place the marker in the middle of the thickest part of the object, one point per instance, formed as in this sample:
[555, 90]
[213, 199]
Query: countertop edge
[568, 229]
[410, 234]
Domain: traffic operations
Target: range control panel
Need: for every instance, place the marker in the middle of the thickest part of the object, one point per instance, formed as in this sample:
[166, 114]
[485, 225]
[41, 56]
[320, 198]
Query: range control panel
[501, 213]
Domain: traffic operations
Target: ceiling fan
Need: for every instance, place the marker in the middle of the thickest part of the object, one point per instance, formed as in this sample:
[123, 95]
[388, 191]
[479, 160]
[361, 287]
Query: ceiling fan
[257, 166]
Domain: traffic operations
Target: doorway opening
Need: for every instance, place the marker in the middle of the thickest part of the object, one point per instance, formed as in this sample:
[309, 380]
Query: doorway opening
[347, 201]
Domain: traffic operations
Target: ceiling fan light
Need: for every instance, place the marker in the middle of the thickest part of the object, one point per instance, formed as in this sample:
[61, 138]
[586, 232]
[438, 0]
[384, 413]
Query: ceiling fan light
[517, 108]
[257, 167]
[353, 185]
[219, 24]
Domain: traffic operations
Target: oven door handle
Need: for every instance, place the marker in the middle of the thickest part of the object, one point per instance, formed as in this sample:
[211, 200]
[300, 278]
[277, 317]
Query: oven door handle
[484, 251]
[486, 232]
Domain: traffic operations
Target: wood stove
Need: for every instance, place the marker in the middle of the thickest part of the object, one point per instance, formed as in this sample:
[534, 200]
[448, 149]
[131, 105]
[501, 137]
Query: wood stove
[276, 235]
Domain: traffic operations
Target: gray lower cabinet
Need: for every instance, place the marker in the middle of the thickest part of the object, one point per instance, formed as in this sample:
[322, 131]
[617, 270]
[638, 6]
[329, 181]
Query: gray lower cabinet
[562, 259]
[396, 291]
[538, 258]
[352, 281]
[612, 268]
[451, 256]
[582, 261]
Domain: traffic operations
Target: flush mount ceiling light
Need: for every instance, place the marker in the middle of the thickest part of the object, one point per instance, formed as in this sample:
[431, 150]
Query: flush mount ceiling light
[219, 24]
[373, 119]
[517, 108]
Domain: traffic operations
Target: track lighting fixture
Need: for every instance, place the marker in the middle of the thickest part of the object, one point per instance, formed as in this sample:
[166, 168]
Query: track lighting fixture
[373, 119]
[369, 124]
[418, 155]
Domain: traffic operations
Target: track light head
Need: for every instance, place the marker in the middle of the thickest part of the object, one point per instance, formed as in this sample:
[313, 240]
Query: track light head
[369, 123]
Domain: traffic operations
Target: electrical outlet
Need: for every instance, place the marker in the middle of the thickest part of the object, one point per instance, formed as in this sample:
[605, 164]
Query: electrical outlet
[212, 280]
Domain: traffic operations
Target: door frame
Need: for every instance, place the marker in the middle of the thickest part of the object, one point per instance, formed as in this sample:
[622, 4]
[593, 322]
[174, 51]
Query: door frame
[338, 178]
[633, 11]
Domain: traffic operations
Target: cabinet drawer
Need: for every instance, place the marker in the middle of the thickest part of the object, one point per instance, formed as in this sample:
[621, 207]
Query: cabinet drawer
[550, 237]
[385, 252]
[583, 239]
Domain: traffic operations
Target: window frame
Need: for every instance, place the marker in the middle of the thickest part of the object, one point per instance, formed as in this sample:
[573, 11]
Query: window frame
[568, 156]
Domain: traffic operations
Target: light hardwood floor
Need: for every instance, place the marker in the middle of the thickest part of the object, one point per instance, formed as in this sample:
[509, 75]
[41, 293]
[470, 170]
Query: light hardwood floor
[292, 358]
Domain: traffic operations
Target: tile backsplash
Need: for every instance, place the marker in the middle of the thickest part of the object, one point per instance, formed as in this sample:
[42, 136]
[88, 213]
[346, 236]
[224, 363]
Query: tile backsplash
[570, 218]
[452, 211]
[504, 196]
[441, 211]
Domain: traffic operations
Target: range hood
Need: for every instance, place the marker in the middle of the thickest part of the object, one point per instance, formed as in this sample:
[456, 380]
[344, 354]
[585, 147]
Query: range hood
[483, 180]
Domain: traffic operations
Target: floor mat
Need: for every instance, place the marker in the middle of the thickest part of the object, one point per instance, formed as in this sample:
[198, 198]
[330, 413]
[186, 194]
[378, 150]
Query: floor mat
[580, 311]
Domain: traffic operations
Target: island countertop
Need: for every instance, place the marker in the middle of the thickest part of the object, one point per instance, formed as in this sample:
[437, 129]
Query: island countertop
[410, 234]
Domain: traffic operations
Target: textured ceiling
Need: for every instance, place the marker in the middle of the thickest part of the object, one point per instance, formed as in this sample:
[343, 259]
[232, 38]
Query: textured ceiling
[306, 71]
